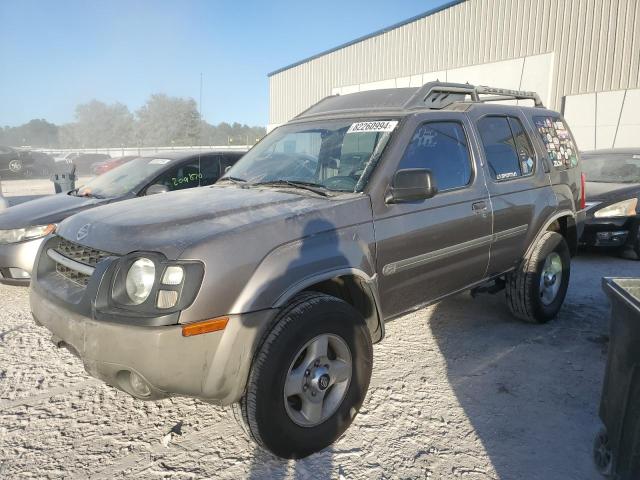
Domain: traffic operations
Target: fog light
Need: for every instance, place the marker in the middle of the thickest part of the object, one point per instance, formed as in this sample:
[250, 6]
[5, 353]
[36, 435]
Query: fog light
[167, 298]
[18, 273]
[138, 385]
[173, 275]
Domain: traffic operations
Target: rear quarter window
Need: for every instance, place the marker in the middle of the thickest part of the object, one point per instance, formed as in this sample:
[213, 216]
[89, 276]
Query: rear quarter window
[559, 144]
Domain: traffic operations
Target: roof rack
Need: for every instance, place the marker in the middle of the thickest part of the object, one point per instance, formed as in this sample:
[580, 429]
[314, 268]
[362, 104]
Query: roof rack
[438, 95]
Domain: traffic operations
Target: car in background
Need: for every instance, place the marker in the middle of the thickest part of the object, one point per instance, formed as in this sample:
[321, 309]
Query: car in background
[24, 226]
[15, 162]
[67, 157]
[43, 164]
[613, 200]
[101, 167]
[85, 161]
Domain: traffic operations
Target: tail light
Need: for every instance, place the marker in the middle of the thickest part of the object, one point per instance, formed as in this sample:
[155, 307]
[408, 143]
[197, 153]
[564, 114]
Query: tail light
[583, 195]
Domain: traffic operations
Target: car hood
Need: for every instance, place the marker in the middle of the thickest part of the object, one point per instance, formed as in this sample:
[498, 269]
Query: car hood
[608, 192]
[170, 223]
[45, 210]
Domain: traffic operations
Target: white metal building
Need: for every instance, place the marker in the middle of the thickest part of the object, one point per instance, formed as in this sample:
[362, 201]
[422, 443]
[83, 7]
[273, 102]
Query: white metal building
[581, 56]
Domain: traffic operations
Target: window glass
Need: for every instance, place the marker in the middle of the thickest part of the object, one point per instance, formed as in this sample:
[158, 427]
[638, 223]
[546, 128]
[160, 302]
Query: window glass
[184, 176]
[611, 168]
[442, 148]
[337, 155]
[506, 146]
[525, 151]
[124, 178]
[209, 169]
[561, 148]
[227, 161]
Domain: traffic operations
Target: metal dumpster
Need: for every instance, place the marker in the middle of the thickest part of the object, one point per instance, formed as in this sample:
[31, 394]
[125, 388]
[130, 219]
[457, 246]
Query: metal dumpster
[617, 447]
[64, 179]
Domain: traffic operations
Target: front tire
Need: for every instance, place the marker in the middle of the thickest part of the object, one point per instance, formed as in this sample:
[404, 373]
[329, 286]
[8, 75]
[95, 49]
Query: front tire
[631, 251]
[536, 290]
[310, 376]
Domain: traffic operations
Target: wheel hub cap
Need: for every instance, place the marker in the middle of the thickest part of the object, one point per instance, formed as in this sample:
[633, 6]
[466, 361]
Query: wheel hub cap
[317, 380]
[551, 278]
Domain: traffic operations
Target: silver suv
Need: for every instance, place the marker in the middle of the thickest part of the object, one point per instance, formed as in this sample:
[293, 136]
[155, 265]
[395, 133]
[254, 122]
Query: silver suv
[267, 290]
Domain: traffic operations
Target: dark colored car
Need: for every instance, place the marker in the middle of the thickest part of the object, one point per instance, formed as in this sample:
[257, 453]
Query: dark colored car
[85, 161]
[268, 289]
[102, 167]
[43, 164]
[613, 200]
[15, 162]
[23, 227]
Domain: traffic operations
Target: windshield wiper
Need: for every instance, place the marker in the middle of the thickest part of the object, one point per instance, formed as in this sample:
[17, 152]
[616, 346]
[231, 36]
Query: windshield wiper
[310, 186]
[233, 179]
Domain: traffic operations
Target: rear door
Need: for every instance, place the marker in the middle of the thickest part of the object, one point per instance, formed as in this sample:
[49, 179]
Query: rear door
[517, 182]
[429, 248]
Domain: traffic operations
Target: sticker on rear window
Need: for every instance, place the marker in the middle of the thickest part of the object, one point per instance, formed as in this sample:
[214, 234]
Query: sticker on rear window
[380, 126]
[159, 161]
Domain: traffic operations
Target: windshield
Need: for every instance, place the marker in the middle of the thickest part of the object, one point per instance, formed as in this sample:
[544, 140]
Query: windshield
[612, 168]
[124, 178]
[337, 155]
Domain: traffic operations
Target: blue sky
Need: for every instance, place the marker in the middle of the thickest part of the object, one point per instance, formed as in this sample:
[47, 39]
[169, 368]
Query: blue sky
[56, 54]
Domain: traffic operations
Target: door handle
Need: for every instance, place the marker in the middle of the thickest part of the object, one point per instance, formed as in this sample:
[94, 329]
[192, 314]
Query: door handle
[479, 207]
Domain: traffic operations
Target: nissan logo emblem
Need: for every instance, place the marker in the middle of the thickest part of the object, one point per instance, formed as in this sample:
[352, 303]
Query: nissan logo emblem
[83, 232]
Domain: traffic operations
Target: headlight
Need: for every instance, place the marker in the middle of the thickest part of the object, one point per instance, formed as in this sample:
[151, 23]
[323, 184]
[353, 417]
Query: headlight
[626, 208]
[140, 280]
[149, 285]
[28, 233]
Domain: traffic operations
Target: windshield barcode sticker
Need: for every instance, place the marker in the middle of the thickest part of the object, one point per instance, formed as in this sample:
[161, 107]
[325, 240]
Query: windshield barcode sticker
[379, 126]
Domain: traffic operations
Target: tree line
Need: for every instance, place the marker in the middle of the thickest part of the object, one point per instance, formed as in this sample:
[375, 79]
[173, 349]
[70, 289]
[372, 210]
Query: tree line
[161, 121]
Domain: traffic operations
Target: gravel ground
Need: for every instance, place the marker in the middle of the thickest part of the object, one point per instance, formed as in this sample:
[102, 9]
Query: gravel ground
[459, 390]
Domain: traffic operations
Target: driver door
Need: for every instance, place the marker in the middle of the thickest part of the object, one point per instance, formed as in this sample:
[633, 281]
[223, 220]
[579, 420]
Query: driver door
[430, 248]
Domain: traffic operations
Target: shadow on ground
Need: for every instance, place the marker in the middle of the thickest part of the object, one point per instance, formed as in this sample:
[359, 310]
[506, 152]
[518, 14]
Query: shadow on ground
[531, 392]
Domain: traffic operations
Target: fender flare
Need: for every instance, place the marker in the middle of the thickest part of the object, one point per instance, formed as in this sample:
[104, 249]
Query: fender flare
[370, 283]
[546, 225]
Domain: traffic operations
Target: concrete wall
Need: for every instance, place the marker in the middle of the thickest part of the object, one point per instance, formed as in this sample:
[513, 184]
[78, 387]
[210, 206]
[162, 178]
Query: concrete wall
[593, 46]
[605, 119]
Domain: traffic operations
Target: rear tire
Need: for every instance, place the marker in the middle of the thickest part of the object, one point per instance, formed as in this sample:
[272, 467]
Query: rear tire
[319, 346]
[536, 290]
[602, 454]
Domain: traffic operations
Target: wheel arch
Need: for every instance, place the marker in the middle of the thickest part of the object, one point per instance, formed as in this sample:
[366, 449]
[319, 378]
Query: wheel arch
[350, 285]
[563, 222]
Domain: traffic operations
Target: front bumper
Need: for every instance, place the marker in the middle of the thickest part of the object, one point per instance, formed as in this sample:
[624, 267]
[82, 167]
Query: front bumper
[212, 366]
[607, 232]
[18, 256]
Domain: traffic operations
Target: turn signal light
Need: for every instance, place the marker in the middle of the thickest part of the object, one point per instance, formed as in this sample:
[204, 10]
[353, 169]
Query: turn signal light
[206, 326]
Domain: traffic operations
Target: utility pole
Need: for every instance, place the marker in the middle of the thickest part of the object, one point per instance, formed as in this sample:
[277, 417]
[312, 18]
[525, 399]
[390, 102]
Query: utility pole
[200, 111]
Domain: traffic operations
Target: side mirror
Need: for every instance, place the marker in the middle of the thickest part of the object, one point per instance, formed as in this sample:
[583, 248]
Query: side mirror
[157, 188]
[410, 185]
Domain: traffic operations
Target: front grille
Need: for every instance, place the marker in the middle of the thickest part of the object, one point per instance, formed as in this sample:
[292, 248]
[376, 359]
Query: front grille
[79, 253]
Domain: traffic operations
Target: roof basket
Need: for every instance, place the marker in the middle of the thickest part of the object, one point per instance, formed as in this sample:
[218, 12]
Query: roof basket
[438, 95]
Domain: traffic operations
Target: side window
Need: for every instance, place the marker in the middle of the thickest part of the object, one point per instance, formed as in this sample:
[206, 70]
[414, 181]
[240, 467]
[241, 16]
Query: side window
[561, 149]
[181, 177]
[442, 148]
[209, 169]
[507, 147]
[227, 161]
